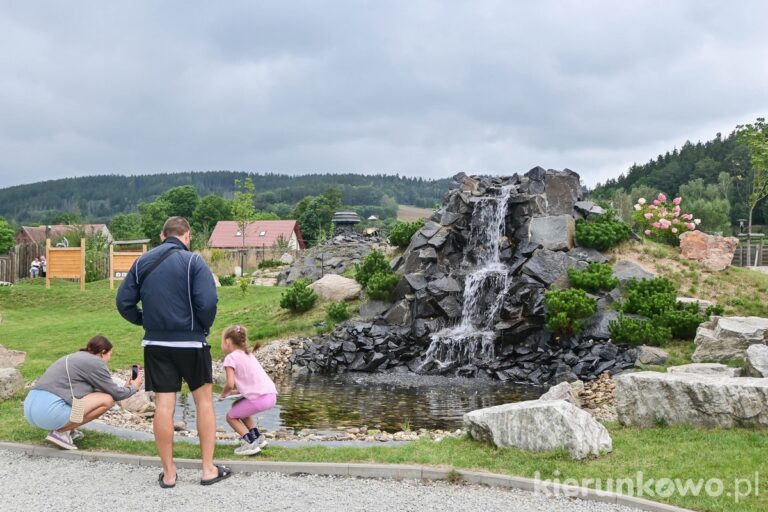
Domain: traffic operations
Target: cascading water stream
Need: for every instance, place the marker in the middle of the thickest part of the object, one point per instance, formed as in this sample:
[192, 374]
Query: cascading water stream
[485, 286]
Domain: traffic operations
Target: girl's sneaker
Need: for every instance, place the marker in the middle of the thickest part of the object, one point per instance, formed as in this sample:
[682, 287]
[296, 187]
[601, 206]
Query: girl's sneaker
[61, 439]
[248, 448]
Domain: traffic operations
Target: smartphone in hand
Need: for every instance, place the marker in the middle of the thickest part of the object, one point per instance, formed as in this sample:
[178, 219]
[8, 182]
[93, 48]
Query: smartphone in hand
[134, 371]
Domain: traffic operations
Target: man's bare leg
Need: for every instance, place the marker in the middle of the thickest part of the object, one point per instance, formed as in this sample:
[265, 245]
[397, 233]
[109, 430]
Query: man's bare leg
[206, 428]
[162, 426]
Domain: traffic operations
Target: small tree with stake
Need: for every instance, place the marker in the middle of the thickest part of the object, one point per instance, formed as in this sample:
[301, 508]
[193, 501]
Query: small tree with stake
[243, 209]
[755, 138]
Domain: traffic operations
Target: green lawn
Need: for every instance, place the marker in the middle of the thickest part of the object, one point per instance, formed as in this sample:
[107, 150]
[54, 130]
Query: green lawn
[49, 323]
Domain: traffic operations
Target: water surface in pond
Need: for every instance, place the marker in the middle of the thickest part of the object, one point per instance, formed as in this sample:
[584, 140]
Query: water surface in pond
[388, 402]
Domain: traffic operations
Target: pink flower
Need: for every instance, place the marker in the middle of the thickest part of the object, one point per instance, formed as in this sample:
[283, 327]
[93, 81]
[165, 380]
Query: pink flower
[656, 202]
[677, 200]
[653, 207]
[647, 215]
[641, 200]
[675, 221]
[647, 232]
[688, 216]
[661, 197]
[656, 225]
[664, 223]
[674, 230]
[690, 225]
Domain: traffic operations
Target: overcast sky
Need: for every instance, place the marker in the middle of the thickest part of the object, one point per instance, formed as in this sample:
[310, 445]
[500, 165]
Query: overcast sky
[423, 88]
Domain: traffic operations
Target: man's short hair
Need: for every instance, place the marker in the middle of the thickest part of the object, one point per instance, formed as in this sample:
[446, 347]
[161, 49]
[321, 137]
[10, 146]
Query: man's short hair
[175, 226]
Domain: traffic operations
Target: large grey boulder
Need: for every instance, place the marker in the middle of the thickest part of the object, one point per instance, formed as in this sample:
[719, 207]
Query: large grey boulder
[757, 361]
[336, 287]
[706, 369]
[11, 358]
[626, 271]
[563, 190]
[587, 254]
[373, 308]
[555, 232]
[598, 326]
[568, 391]
[727, 338]
[540, 425]
[651, 355]
[646, 399]
[10, 382]
[548, 266]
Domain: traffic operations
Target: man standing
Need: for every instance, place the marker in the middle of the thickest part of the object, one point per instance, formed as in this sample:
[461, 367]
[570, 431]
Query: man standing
[178, 298]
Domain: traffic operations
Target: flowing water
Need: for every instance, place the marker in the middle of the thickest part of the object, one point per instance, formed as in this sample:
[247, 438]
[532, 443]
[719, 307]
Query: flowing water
[485, 286]
[388, 402]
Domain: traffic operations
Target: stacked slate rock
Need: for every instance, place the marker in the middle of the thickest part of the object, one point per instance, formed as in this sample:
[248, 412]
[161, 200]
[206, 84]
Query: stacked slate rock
[334, 256]
[536, 248]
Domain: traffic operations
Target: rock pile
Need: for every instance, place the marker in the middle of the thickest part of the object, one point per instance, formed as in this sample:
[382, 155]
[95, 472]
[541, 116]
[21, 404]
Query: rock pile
[334, 256]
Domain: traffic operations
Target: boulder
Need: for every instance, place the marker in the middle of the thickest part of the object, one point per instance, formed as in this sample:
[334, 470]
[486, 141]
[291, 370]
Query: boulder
[548, 266]
[727, 338]
[587, 254]
[337, 288]
[373, 308]
[286, 258]
[139, 403]
[626, 271]
[10, 382]
[565, 391]
[757, 361]
[706, 369]
[540, 425]
[598, 325]
[11, 358]
[646, 399]
[713, 251]
[651, 355]
[588, 208]
[563, 190]
[555, 232]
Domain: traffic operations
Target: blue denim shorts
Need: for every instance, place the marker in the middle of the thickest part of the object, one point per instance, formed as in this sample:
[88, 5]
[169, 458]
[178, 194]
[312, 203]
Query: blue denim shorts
[46, 410]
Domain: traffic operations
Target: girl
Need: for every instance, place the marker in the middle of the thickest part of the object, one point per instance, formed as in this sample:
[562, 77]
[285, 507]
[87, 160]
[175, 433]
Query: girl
[259, 393]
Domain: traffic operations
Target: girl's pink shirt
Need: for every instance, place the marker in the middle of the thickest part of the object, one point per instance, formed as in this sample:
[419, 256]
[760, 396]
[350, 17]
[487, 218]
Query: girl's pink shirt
[250, 378]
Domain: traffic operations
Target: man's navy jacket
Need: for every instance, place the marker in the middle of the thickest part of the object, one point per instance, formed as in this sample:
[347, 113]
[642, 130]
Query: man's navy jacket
[178, 297]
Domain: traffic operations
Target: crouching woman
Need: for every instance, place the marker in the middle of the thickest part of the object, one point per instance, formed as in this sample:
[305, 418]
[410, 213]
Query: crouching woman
[82, 378]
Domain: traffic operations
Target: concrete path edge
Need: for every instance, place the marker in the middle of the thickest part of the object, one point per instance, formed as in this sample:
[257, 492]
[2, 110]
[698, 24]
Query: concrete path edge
[388, 471]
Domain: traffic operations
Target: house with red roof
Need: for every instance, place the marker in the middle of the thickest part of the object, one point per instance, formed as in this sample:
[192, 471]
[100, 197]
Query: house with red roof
[38, 234]
[260, 233]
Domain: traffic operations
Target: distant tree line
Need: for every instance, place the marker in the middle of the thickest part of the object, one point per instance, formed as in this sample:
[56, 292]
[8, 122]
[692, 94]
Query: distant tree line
[100, 198]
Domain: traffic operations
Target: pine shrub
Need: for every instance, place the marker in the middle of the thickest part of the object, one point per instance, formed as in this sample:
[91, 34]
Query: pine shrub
[373, 263]
[635, 331]
[402, 232]
[597, 276]
[381, 285]
[602, 232]
[299, 297]
[567, 309]
[338, 312]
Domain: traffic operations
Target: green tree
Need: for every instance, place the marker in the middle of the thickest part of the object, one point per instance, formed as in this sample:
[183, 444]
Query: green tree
[153, 216]
[182, 201]
[709, 203]
[755, 138]
[68, 218]
[314, 214]
[126, 227]
[243, 209]
[210, 210]
[7, 236]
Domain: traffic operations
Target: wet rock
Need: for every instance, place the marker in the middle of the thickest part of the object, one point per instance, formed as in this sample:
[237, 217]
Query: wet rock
[548, 266]
[553, 232]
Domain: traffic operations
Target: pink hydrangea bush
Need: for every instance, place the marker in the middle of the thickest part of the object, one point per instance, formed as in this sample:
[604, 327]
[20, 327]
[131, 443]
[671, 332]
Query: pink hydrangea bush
[663, 220]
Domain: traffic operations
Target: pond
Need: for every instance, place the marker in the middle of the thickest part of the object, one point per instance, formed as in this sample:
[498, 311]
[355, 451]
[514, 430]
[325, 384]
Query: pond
[390, 402]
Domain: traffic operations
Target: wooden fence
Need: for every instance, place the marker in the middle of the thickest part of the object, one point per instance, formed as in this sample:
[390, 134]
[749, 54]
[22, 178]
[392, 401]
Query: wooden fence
[16, 264]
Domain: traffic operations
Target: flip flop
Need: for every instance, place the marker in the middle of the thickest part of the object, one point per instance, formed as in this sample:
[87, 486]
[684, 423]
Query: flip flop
[165, 485]
[224, 473]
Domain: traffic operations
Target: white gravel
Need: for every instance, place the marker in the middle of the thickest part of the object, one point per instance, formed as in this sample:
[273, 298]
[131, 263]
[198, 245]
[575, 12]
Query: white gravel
[45, 484]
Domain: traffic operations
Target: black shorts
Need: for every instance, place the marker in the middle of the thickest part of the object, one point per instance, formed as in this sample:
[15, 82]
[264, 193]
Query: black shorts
[165, 367]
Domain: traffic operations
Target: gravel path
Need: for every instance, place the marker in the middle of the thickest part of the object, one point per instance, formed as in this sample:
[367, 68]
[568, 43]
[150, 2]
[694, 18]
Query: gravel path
[39, 483]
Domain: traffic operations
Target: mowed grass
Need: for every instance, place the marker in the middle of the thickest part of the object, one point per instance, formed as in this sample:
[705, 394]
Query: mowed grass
[50, 323]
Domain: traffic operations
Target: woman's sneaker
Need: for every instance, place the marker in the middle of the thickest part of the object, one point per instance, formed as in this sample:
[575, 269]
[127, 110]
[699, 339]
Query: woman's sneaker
[247, 448]
[61, 439]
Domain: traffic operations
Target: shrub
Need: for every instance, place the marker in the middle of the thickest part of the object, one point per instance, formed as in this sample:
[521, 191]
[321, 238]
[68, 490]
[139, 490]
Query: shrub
[651, 297]
[566, 309]
[338, 312]
[601, 233]
[227, 280]
[299, 297]
[270, 263]
[635, 331]
[244, 284]
[683, 321]
[373, 263]
[381, 285]
[402, 232]
[597, 276]
[663, 221]
[714, 309]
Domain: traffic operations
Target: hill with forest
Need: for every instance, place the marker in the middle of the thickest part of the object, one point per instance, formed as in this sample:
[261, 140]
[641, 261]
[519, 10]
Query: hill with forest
[712, 178]
[99, 198]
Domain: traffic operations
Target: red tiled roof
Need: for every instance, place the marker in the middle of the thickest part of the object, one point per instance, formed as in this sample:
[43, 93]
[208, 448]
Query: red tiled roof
[224, 235]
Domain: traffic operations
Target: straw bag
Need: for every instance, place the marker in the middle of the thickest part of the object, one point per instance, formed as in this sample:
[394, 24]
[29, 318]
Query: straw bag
[78, 404]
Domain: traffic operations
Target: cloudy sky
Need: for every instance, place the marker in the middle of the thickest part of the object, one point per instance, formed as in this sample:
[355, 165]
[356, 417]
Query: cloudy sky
[423, 88]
